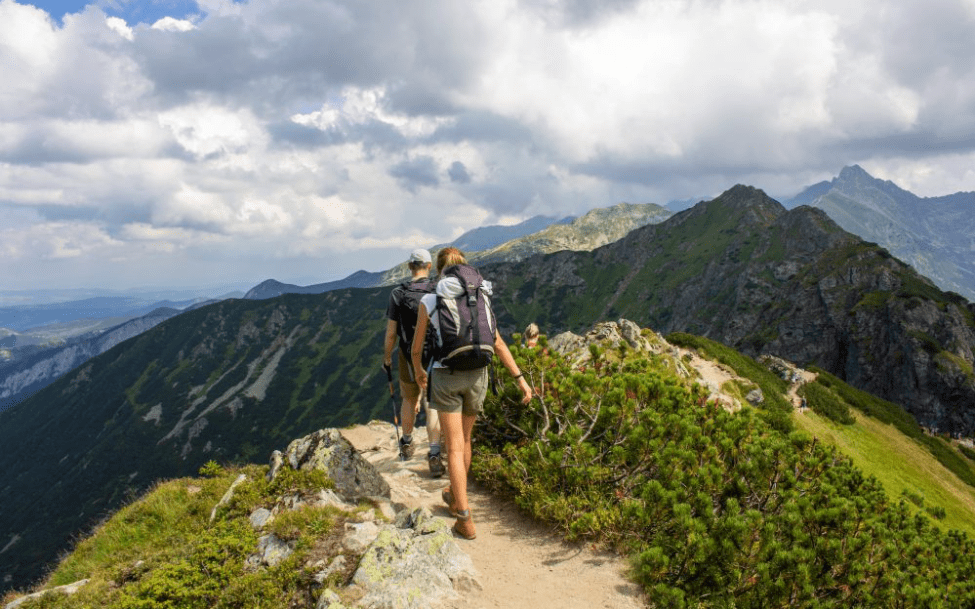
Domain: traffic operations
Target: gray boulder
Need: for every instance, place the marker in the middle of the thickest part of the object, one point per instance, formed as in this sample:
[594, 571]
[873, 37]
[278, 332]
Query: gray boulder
[327, 450]
[414, 567]
[607, 334]
[272, 550]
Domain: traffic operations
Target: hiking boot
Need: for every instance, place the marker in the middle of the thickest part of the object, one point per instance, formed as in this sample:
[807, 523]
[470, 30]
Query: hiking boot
[464, 526]
[406, 449]
[448, 498]
[437, 468]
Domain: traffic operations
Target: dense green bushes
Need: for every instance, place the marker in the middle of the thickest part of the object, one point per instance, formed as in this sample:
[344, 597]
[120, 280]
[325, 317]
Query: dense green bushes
[826, 404]
[716, 509]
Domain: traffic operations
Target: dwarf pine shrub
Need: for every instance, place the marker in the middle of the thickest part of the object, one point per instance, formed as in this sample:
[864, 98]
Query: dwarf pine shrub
[715, 509]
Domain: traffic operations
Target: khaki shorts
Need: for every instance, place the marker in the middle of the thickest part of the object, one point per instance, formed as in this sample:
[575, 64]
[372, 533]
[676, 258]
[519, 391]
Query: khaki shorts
[406, 375]
[408, 387]
[460, 391]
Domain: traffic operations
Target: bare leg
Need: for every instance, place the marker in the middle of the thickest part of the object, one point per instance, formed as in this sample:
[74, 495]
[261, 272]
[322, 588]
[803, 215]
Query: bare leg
[433, 426]
[407, 413]
[457, 429]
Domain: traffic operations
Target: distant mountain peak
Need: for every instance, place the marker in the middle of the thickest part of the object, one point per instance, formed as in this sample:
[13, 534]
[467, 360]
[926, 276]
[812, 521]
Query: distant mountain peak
[853, 178]
[851, 172]
[931, 234]
[743, 203]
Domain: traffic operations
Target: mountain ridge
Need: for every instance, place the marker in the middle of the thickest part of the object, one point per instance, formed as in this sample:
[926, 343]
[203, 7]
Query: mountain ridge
[764, 279]
[593, 229]
[935, 235]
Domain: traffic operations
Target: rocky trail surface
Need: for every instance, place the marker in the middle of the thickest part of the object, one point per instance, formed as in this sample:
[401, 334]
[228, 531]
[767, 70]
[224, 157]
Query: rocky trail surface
[520, 564]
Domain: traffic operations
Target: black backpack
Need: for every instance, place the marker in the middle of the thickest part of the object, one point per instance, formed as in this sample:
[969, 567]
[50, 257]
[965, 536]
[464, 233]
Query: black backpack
[467, 324]
[409, 308]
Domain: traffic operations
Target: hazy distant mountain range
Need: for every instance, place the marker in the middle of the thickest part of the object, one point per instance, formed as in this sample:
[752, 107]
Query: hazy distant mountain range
[484, 237]
[28, 362]
[538, 235]
[234, 380]
[55, 338]
[20, 318]
[487, 237]
[935, 235]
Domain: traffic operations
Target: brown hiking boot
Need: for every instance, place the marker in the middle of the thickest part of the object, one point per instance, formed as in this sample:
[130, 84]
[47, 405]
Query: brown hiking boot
[437, 468]
[464, 526]
[406, 449]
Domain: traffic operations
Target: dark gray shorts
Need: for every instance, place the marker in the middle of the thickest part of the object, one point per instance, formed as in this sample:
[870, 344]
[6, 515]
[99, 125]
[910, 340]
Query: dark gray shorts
[460, 391]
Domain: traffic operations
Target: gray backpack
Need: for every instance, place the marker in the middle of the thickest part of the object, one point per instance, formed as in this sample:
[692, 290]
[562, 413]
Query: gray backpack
[467, 324]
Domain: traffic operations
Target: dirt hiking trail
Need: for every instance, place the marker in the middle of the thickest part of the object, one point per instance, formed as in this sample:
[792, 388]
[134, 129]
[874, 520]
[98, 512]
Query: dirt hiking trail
[521, 564]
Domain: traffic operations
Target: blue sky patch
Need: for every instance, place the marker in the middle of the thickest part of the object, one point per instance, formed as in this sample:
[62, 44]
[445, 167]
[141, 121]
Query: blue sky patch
[133, 12]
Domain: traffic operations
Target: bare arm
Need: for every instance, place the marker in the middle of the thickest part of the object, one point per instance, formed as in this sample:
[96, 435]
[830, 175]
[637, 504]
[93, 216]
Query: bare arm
[508, 361]
[416, 349]
[390, 342]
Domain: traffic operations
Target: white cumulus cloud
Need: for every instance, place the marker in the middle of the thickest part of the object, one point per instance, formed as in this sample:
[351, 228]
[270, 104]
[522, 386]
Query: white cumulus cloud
[312, 138]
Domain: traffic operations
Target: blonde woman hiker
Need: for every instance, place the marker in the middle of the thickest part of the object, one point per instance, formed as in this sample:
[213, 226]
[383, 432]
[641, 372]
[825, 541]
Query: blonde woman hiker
[457, 379]
[401, 316]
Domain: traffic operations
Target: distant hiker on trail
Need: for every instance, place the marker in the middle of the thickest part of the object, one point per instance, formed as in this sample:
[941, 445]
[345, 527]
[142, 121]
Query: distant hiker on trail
[401, 315]
[467, 340]
[531, 335]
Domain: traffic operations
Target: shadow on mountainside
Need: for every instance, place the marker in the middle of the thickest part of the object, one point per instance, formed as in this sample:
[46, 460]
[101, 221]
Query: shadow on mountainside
[521, 564]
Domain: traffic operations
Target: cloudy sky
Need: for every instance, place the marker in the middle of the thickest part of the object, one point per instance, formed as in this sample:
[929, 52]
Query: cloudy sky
[181, 142]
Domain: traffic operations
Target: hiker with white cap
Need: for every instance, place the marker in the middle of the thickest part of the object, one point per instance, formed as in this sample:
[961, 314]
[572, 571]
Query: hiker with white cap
[401, 315]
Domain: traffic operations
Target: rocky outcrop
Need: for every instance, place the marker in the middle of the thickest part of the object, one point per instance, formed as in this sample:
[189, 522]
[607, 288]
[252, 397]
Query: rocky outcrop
[686, 365]
[608, 334]
[328, 451]
[413, 565]
[406, 559]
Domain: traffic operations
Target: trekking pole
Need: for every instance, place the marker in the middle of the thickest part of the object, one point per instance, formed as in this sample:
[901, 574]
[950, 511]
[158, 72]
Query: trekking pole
[392, 398]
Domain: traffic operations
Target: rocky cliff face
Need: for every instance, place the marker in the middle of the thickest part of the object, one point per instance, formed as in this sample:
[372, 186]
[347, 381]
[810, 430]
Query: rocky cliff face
[744, 271]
